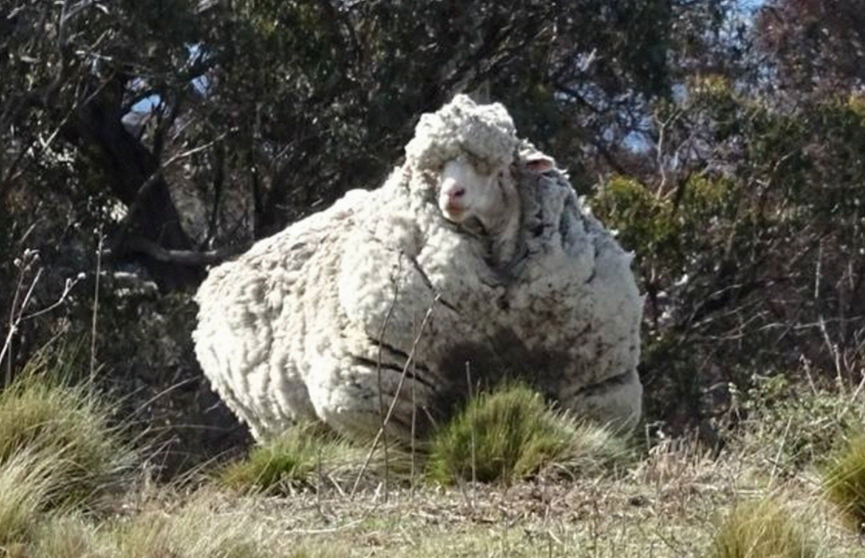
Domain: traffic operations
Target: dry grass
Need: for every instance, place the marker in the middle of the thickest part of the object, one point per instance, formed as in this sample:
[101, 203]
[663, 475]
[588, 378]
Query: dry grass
[761, 529]
[192, 530]
[68, 429]
[845, 483]
[27, 485]
[666, 506]
[673, 500]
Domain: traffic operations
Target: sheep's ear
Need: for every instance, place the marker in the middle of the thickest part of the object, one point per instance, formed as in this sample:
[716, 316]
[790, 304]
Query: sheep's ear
[538, 162]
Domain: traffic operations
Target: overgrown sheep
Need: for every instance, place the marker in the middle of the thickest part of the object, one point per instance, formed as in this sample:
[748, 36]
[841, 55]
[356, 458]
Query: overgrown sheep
[473, 262]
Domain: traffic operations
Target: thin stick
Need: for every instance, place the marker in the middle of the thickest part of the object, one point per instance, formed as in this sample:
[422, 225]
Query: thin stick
[413, 428]
[853, 397]
[396, 394]
[380, 395]
[95, 309]
[14, 319]
[17, 316]
[472, 431]
[319, 482]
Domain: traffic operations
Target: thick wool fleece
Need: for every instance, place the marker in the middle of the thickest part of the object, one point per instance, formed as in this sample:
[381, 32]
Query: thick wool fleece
[379, 301]
[484, 132]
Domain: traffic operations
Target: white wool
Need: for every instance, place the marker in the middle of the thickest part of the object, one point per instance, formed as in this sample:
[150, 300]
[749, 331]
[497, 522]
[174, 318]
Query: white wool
[485, 132]
[320, 319]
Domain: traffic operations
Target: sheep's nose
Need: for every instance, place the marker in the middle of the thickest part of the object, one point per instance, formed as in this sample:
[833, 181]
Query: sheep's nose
[451, 189]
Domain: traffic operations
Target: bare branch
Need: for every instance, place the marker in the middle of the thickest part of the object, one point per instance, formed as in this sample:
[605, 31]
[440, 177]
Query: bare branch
[184, 257]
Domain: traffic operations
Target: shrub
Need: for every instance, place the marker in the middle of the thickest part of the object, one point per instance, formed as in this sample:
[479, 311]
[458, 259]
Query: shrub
[511, 434]
[807, 422]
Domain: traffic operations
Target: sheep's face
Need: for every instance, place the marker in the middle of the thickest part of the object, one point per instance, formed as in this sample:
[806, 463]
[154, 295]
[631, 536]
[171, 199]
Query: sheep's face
[465, 191]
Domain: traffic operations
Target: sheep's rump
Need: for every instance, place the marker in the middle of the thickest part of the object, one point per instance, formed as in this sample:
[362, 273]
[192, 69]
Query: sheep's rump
[379, 302]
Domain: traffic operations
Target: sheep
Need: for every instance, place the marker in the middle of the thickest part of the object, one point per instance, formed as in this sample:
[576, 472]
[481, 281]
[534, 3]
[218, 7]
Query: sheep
[474, 258]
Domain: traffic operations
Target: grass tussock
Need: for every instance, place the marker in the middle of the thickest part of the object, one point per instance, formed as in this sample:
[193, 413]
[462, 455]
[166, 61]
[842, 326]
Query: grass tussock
[844, 483]
[761, 529]
[511, 434]
[28, 483]
[67, 426]
[289, 462]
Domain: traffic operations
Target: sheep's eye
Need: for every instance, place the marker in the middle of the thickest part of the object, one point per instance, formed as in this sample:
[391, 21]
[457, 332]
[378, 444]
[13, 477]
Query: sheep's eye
[483, 168]
[431, 175]
[480, 165]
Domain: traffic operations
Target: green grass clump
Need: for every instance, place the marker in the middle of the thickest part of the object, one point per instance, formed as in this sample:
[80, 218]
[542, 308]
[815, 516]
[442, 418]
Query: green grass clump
[288, 462]
[511, 434]
[844, 482]
[67, 426]
[761, 529]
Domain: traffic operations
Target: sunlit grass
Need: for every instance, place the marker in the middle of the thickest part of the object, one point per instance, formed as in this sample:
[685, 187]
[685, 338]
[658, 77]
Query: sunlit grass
[68, 425]
[551, 491]
[511, 434]
[201, 527]
[193, 531]
[761, 529]
[288, 462]
[28, 483]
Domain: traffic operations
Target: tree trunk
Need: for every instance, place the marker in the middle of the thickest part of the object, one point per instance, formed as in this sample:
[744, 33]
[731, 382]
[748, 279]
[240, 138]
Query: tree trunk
[129, 169]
